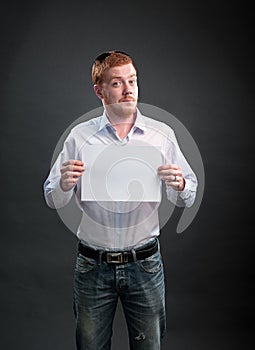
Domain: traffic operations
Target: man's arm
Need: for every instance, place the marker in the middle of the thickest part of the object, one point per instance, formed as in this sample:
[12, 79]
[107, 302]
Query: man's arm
[181, 181]
[58, 188]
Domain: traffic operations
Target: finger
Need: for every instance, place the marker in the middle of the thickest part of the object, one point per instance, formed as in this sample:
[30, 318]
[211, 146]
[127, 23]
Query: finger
[74, 168]
[73, 162]
[168, 167]
[71, 174]
[68, 184]
[170, 178]
[168, 172]
[178, 184]
[71, 181]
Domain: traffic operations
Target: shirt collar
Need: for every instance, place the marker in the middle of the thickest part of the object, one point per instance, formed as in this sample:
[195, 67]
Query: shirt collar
[104, 122]
[139, 122]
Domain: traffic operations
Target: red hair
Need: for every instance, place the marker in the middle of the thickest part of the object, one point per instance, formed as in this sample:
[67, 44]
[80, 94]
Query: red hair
[108, 60]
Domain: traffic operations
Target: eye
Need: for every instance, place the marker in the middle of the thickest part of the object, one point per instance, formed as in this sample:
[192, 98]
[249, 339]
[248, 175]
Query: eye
[116, 83]
[133, 82]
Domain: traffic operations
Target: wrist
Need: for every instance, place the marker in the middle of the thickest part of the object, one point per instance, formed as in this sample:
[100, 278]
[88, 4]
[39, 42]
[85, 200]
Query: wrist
[63, 187]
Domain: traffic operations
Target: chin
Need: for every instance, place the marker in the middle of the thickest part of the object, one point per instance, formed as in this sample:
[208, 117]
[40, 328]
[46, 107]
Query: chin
[124, 109]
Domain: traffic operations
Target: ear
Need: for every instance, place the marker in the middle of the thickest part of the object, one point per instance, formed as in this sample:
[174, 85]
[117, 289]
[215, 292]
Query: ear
[98, 91]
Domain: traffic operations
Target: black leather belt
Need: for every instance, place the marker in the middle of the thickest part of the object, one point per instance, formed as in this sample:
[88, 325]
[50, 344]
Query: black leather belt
[119, 257]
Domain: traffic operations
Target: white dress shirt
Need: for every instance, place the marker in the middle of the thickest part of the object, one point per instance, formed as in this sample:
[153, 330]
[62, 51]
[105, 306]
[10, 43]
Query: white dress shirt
[119, 225]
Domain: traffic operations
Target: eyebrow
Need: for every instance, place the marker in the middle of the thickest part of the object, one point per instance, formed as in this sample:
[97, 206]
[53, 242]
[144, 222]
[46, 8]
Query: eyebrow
[120, 77]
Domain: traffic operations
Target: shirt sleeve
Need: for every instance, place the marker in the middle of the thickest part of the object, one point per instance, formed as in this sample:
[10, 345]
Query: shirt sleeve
[186, 197]
[54, 196]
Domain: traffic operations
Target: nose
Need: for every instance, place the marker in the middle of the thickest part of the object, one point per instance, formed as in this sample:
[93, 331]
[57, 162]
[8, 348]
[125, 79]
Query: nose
[127, 90]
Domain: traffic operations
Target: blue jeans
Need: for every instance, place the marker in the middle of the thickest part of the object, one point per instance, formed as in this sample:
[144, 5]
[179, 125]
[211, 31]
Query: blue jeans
[140, 287]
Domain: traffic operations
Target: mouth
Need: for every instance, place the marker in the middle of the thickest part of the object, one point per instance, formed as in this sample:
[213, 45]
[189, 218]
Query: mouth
[128, 100]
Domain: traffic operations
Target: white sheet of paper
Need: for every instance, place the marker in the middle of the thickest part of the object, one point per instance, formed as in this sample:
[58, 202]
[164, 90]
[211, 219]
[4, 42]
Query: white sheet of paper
[121, 173]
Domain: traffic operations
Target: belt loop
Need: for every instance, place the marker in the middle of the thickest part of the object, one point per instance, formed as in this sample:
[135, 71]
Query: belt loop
[134, 255]
[158, 244]
[100, 253]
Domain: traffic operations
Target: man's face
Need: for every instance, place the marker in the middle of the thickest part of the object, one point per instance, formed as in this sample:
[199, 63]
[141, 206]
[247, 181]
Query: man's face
[120, 91]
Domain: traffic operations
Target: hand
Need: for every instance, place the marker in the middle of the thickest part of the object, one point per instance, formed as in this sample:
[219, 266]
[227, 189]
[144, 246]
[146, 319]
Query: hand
[172, 175]
[71, 171]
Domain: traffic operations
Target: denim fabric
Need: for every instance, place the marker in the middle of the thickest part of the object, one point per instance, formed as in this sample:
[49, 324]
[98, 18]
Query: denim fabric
[140, 287]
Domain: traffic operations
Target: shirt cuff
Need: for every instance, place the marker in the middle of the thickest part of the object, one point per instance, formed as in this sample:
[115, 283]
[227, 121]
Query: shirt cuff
[189, 192]
[58, 198]
[183, 198]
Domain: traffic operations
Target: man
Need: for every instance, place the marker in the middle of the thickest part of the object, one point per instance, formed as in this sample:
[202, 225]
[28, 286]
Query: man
[118, 253]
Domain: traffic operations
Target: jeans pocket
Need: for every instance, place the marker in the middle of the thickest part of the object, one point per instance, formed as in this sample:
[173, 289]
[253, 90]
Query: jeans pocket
[153, 264]
[84, 264]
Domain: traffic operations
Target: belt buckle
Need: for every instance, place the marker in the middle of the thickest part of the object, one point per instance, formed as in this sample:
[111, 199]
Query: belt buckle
[114, 258]
[117, 258]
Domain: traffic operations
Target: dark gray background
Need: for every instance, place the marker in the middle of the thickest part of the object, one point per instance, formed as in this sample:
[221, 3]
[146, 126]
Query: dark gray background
[195, 61]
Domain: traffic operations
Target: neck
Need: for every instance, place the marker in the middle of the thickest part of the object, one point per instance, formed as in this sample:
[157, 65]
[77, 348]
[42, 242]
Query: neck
[121, 120]
[122, 124]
